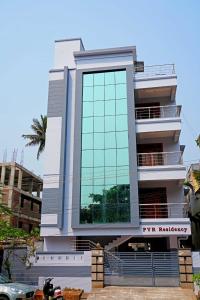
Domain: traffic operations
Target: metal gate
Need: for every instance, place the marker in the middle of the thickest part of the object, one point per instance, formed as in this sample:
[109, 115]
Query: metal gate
[141, 268]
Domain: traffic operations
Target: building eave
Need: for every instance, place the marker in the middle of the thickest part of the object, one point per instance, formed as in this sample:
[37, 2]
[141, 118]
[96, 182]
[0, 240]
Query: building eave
[110, 51]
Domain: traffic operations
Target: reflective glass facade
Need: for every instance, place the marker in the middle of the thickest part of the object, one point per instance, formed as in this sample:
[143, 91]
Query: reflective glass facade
[105, 189]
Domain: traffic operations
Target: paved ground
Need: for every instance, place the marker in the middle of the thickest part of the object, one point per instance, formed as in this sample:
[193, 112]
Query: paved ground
[142, 293]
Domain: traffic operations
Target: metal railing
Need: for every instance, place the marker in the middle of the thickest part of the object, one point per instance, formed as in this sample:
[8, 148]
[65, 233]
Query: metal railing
[83, 245]
[163, 210]
[156, 71]
[157, 112]
[137, 268]
[112, 262]
[159, 158]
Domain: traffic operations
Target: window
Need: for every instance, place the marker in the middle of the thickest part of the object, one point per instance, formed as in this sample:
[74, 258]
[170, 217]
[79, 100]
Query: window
[22, 202]
[20, 224]
[30, 227]
[105, 189]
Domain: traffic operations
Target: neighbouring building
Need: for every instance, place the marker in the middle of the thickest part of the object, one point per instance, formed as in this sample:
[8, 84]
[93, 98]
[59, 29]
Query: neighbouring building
[21, 192]
[193, 199]
[113, 162]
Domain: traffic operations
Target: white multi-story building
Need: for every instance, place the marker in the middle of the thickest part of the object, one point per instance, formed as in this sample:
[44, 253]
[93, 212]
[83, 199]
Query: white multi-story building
[113, 161]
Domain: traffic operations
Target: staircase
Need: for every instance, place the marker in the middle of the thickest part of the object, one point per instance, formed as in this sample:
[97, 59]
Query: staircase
[117, 242]
[142, 293]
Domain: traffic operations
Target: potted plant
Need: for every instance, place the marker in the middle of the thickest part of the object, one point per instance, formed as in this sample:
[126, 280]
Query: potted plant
[38, 295]
[72, 294]
[196, 280]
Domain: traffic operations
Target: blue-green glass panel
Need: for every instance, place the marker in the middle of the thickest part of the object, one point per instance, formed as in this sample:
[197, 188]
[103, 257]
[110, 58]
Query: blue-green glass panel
[98, 140]
[88, 80]
[86, 192]
[123, 175]
[121, 91]
[88, 93]
[110, 157]
[87, 176]
[98, 189]
[99, 176]
[110, 108]
[121, 123]
[87, 141]
[122, 157]
[98, 93]
[88, 109]
[110, 140]
[98, 124]
[122, 139]
[103, 166]
[99, 158]
[109, 92]
[98, 78]
[109, 123]
[121, 107]
[87, 158]
[87, 125]
[99, 108]
[109, 78]
[120, 77]
[111, 176]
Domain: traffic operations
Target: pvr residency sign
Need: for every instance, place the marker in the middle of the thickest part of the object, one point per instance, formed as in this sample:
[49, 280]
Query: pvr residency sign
[166, 229]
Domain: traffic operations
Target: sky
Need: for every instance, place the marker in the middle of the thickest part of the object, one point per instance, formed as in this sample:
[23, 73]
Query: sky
[164, 31]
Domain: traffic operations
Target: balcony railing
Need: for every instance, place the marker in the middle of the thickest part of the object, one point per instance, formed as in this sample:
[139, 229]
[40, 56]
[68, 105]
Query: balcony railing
[158, 112]
[159, 159]
[163, 210]
[156, 71]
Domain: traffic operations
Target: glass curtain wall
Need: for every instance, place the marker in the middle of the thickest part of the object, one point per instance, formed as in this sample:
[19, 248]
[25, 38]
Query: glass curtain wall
[105, 189]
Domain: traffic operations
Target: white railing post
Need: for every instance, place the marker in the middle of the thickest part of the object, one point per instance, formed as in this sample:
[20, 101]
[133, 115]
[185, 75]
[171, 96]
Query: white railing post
[163, 210]
[159, 158]
[167, 111]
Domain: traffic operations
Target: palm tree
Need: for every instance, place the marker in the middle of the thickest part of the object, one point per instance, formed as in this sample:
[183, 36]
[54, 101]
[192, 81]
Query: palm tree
[198, 141]
[38, 138]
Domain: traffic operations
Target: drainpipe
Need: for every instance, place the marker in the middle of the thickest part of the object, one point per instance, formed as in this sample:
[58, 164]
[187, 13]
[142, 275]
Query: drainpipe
[181, 239]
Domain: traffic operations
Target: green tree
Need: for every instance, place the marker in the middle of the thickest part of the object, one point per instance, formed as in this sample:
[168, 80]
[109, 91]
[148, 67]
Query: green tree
[111, 206]
[13, 237]
[38, 137]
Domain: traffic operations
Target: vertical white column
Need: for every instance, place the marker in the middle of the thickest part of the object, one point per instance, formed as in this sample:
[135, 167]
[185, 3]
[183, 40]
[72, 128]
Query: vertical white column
[3, 174]
[19, 183]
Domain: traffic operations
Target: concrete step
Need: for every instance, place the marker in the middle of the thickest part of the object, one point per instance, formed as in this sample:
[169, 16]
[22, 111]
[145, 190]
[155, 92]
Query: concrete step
[116, 242]
[141, 293]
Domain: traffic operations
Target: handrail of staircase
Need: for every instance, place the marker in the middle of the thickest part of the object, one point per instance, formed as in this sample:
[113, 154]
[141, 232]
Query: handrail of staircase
[84, 245]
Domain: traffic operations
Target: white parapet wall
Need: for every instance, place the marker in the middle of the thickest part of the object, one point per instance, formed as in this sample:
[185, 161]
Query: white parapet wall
[70, 269]
[63, 259]
[80, 282]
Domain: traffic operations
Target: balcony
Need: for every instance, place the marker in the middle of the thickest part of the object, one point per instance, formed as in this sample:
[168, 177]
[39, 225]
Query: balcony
[154, 71]
[160, 166]
[163, 210]
[158, 121]
[155, 112]
[159, 159]
[157, 79]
